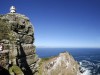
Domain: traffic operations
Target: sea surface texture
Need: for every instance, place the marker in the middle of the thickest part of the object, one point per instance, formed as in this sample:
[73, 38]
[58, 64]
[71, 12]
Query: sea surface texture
[89, 58]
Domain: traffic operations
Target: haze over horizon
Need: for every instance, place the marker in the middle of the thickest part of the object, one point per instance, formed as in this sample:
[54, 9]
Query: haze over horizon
[61, 23]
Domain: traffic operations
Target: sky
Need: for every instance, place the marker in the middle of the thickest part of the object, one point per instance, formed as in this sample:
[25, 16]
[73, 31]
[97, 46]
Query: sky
[61, 23]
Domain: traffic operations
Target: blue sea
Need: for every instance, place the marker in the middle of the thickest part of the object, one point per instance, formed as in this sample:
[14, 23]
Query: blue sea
[89, 57]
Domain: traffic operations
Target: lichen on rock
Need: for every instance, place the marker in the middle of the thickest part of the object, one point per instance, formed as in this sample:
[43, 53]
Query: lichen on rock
[17, 36]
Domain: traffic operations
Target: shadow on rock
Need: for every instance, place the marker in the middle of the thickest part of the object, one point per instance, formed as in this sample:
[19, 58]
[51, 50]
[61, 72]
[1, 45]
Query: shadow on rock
[3, 71]
[27, 70]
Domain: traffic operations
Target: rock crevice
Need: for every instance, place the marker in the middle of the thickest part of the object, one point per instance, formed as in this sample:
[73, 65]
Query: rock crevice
[21, 50]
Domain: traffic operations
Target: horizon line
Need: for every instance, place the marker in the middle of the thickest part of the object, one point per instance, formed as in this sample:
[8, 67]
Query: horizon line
[67, 47]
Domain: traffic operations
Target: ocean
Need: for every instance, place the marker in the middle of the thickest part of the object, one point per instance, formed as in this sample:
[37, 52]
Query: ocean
[88, 57]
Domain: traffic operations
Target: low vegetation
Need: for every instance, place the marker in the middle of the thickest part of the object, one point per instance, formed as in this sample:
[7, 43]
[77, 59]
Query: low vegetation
[4, 30]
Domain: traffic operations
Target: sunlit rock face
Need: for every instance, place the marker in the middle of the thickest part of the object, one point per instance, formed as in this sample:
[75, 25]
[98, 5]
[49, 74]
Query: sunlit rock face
[64, 64]
[17, 36]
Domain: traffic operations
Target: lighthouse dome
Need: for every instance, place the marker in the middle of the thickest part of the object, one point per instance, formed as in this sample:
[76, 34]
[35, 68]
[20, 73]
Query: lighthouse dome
[12, 9]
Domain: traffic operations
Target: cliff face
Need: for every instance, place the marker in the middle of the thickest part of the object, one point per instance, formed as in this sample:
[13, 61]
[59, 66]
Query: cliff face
[17, 38]
[63, 64]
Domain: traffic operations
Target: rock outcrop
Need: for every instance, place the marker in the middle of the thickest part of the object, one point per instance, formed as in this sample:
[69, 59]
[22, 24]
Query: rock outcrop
[64, 64]
[17, 36]
[17, 49]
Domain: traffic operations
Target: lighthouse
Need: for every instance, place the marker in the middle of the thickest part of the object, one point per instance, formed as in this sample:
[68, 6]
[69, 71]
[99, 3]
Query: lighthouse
[12, 9]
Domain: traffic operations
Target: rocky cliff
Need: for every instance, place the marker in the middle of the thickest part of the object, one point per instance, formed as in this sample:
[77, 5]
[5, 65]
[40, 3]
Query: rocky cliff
[63, 64]
[18, 51]
[17, 38]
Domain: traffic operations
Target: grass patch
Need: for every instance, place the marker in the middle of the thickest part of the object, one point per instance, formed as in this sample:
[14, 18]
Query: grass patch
[42, 63]
[15, 70]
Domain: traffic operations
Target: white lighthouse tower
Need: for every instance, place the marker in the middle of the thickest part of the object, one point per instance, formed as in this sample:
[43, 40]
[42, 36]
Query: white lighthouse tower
[12, 9]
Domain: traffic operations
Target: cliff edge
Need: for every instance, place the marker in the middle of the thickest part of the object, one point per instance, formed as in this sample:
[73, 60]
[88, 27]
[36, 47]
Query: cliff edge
[63, 64]
[17, 50]
[16, 41]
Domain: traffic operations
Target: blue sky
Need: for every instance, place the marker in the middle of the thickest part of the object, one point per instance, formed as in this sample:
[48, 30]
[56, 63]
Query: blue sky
[61, 23]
